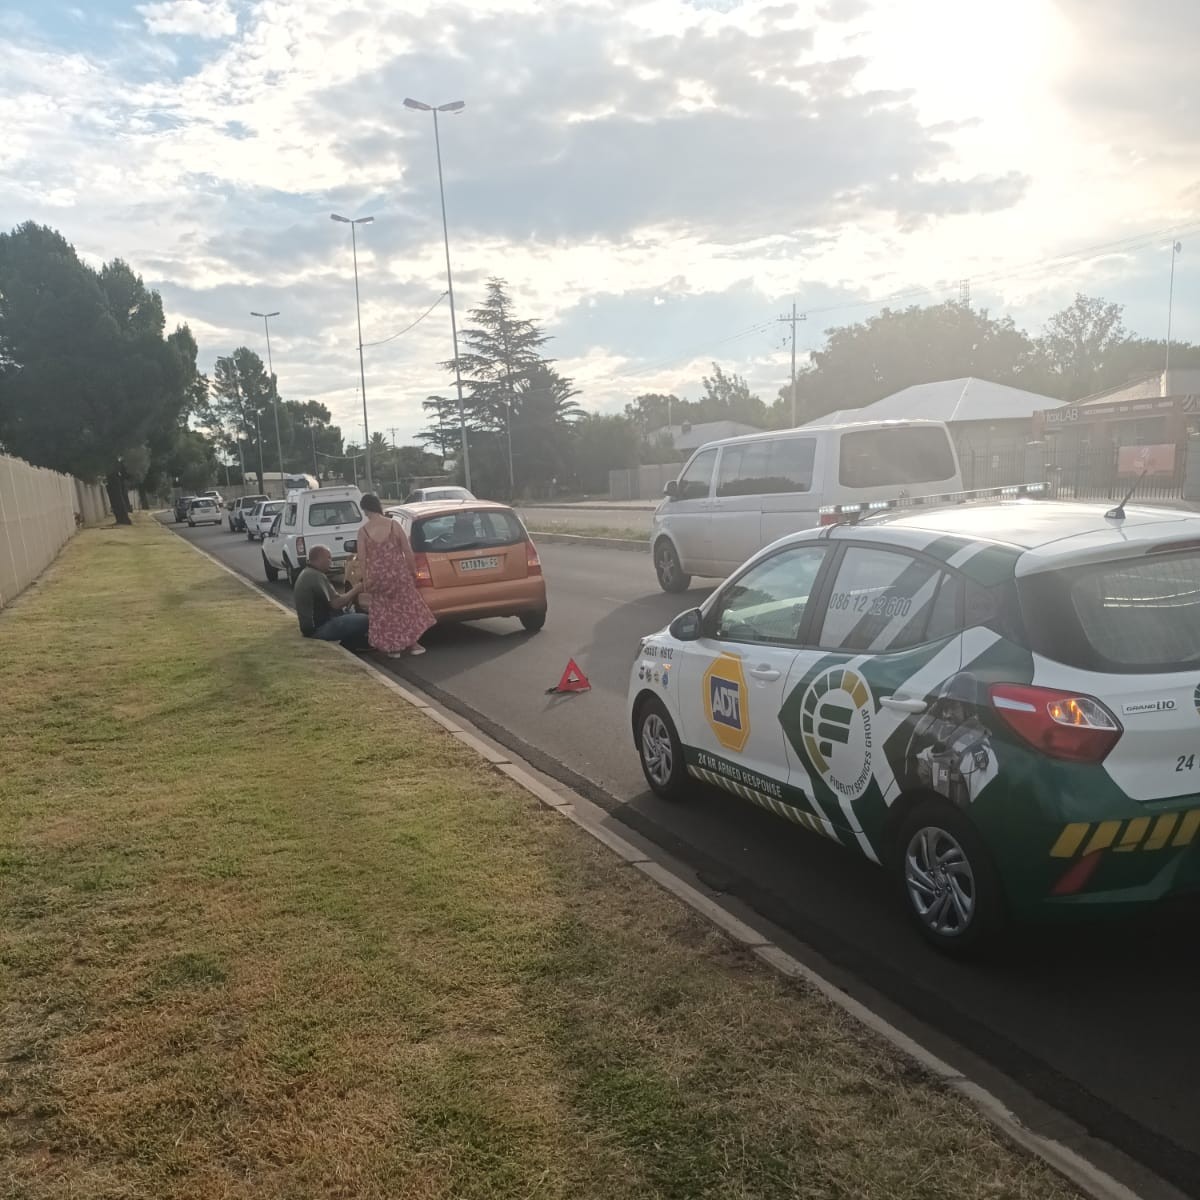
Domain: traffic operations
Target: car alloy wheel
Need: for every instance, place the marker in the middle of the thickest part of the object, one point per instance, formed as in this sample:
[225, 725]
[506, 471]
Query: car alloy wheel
[659, 750]
[668, 569]
[656, 750]
[940, 882]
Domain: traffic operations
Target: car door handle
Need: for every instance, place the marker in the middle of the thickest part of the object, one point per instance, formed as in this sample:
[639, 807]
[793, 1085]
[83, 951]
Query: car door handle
[765, 672]
[904, 704]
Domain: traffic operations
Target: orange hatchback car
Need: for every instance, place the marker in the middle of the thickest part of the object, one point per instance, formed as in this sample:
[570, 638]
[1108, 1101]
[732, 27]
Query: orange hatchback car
[474, 559]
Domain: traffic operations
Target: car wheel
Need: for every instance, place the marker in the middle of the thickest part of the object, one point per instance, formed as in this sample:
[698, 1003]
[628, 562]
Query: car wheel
[948, 881]
[249, 537]
[293, 573]
[272, 573]
[660, 751]
[191, 524]
[533, 621]
[666, 566]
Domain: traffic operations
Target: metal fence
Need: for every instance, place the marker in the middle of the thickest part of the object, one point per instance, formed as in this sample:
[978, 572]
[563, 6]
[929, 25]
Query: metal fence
[1095, 472]
[39, 511]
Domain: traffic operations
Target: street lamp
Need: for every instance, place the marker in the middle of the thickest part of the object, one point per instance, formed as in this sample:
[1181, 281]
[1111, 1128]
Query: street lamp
[362, 371]
[452, 107]
[274, 393]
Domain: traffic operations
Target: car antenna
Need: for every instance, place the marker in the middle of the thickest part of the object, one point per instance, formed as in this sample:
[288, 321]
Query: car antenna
[1118, 513]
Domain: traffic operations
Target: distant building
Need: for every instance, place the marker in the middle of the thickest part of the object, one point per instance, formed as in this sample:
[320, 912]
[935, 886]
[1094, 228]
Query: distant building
[991, 423]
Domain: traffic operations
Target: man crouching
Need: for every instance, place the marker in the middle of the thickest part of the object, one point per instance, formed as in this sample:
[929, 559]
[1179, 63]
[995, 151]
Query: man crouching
[317, 600]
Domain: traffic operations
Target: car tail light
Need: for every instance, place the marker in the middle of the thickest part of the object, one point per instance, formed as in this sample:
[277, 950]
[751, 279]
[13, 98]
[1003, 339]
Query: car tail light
[1060, 724]
[424, 574]
[300, 548]
[533, 564]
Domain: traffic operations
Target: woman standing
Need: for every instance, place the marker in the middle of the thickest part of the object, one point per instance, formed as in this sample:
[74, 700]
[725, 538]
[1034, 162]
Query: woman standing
[398, 614]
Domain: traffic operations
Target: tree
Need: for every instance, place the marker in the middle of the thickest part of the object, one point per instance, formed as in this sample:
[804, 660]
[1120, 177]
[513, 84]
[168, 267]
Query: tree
[443, 432]
[604, 443]
[512, 392]
[655, 410]
[310, 441]
[862, 363]
[87, 376]
[242, 391]
[728, 398]
[1078, 344]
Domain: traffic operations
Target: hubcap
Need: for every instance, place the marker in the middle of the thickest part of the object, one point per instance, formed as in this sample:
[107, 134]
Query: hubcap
[940, 882]
[656, 749]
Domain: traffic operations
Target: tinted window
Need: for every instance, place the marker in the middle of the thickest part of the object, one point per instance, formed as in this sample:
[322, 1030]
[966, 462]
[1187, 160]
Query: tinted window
[762, 467]
[696, 480]
[882, 600]
[768, 602]
[1137, 615]
[894, 457]
[333, 512]
[467, 531]
[289, 515]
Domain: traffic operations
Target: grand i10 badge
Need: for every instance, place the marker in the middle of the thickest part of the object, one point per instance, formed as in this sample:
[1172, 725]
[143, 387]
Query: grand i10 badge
[836, 718]
[726, 701]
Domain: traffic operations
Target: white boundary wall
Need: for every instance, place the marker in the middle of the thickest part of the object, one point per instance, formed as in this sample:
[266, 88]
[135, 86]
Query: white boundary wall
[37, 518]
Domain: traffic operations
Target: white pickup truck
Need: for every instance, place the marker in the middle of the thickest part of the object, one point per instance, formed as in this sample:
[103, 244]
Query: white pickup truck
[327, 517]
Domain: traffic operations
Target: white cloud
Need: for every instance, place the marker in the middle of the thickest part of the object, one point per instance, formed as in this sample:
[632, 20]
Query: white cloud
[190, 18]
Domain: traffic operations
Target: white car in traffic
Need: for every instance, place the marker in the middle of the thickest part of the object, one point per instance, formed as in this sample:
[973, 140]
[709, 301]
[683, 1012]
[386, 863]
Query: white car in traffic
[203, 510]
[259, 519]
[328, 517]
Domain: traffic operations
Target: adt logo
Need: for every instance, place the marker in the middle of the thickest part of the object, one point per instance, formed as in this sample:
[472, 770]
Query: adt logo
[726, 701]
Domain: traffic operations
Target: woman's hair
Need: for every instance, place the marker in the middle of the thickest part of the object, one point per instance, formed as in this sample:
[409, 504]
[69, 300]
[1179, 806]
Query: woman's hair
[370, 503]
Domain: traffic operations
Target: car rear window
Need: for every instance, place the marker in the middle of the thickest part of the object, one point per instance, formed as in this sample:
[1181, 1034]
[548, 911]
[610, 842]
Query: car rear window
[470, 530]
[895, 457]
[1130, 616]
[333, 512]
[204, 504]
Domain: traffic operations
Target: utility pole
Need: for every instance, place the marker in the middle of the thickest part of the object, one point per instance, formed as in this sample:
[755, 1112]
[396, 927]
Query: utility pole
[312, 433]
[1176, 247]
[396, 462]
[786, 320]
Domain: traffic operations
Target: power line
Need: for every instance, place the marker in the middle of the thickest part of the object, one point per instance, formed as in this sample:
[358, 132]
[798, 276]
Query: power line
[417, 322]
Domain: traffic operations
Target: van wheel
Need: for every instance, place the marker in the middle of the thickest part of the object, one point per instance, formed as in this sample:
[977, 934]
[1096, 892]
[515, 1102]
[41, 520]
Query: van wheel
[272, 573]
[947, 878]
[660, 751]
[533, 621]
[666, 566]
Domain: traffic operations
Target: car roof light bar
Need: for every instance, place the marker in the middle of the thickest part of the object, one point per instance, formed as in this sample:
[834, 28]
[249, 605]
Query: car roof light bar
[847, 513]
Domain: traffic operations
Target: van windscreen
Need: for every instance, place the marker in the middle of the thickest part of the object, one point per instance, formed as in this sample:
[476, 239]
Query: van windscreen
[895, 457]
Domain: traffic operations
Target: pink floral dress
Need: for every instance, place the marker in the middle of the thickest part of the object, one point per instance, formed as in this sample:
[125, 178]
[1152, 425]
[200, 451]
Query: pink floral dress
[398, 613]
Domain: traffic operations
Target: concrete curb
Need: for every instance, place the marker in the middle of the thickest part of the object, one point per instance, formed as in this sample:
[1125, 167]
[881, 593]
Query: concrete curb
[1089, 1178]
[583, 539]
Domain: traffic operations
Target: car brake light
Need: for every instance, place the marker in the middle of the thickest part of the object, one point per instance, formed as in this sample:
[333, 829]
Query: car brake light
[533, 564]
[1060, 724]
[300, 547]
[424, 575]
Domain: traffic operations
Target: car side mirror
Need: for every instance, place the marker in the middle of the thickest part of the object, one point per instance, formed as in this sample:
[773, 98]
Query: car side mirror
[671, 490]
[687, 626]
[350, 546]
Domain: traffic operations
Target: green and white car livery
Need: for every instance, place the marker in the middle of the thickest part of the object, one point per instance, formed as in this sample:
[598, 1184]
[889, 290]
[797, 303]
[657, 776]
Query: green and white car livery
[998, 701]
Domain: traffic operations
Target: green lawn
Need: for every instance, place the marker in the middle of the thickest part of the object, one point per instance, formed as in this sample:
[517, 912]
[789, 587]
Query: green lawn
[265, 932]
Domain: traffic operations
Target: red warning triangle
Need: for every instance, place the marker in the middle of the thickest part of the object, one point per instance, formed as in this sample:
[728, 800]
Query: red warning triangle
[573, 679]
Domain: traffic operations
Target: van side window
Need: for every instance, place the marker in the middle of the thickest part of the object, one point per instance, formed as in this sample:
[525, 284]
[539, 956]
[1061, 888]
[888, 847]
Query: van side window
[883, 601]
[696, 480]
[289, 515]
[770, 465]
[895, 457]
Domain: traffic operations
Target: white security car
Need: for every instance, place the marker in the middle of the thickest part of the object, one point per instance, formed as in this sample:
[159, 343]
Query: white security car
[203, 510]
[998, 700]
[258, 520]
[321, 516]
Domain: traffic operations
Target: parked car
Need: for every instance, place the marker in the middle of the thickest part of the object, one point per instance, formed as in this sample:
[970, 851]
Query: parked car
[213, 494]
[320, 516]
[737, 495]
[421, 495]
[996, 701]
[203, 510]
[240, 508]
[181, 508]
[473, 560]
[258, 521]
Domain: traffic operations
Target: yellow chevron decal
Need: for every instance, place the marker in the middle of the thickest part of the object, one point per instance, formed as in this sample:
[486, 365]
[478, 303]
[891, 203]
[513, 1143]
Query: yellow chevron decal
[1138, 833]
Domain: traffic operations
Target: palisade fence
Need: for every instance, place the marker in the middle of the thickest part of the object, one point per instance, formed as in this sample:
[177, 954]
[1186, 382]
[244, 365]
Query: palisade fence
[37, 518]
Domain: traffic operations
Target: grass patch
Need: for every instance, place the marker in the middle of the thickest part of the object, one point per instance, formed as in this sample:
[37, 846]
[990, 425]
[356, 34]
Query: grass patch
[537, 526]
[328, 953]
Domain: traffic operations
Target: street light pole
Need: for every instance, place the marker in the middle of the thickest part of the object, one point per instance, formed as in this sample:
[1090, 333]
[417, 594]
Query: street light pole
[453, 106]
[274, 392]
[362, 370]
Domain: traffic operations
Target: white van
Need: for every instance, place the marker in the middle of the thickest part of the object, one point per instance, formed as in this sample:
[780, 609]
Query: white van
[735, 496]
[327, 517]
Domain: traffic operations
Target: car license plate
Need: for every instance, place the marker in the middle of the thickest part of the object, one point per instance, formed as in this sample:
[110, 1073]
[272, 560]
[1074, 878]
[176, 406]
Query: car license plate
[478, 564]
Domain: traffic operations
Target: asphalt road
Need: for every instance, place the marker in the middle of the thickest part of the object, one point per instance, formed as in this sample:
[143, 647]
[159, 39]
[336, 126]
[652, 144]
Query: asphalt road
[541, 516]
[1098, 1021]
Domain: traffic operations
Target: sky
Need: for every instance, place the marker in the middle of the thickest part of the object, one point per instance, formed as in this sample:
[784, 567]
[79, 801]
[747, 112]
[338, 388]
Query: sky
[657, 180]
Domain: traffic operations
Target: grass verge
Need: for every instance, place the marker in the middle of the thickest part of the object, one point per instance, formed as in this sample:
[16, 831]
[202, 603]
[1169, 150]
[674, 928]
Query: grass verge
[266, 932]
[607, 531]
